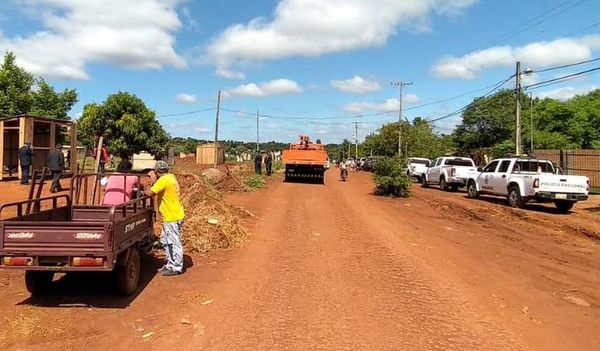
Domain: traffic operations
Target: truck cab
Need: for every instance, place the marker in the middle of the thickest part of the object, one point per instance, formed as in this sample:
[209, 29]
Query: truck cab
[523, 180]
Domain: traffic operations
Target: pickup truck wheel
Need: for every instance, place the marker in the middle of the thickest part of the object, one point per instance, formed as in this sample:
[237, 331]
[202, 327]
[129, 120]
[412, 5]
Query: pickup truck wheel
[472, 190]
[424, 181]
[514, 197]
[443, 184]
[128, 276]
[564, 206]
[38, 282]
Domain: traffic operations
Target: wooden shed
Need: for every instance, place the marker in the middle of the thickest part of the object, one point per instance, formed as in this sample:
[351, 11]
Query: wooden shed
[43, 134]
[205, 154]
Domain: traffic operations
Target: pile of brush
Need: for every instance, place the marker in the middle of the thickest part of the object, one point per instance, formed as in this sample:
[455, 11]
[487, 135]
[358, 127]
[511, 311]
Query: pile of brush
[210, 222]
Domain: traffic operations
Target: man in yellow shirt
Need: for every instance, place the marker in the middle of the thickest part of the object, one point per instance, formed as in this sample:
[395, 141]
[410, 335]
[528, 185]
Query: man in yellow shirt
[165, 184]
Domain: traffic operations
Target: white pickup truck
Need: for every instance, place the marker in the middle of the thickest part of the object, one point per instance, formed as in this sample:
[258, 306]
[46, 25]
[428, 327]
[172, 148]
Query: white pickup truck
[449, 172]
[416, 167]
[524, 179]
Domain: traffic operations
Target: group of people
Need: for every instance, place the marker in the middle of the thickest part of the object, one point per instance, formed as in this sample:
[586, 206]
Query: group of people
[268, 161]
[55, 162]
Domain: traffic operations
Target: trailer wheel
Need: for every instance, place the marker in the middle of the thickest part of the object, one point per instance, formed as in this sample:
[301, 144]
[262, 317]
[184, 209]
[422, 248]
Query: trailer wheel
[564, 206]
[38, 282]
[128, 275]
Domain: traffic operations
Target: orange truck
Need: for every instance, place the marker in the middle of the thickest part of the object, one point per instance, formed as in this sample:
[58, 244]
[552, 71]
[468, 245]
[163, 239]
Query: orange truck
[305, 161]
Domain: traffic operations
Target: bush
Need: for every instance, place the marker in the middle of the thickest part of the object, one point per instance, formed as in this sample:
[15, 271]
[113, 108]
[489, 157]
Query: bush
[255, 182]
[390, 178]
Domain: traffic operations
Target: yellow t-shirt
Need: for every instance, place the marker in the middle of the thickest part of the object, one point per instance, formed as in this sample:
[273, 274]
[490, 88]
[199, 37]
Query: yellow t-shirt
[170, 206]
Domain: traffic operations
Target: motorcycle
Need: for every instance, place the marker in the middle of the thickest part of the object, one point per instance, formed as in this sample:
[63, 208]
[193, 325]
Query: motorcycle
[344, 174]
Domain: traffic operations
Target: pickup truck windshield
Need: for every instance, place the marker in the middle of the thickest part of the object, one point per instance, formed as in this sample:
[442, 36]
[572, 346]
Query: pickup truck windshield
[534, 166]
[459, 162]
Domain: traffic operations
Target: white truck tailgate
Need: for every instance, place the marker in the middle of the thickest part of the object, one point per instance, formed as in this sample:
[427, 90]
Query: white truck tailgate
[555, 183]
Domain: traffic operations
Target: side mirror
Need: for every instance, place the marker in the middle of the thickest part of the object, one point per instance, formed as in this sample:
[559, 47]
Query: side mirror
[479, 169]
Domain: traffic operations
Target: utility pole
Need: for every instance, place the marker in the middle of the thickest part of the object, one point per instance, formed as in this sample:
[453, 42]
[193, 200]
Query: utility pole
[531, 122]
[356, 139]
[401, 85]
[257, 135]
[217, 129]
[518, 109]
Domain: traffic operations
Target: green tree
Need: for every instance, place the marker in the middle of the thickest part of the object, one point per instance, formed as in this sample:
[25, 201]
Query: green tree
[126, 124]
[47, 102]
[15, 88]
[21, 93]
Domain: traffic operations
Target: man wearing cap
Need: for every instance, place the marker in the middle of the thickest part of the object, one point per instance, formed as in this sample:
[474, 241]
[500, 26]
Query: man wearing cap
[26, 159]
[165, 184]
[56, 164]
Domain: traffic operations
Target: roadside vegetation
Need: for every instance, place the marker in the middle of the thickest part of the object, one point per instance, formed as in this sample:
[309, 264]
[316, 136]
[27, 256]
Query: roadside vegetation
[390, 178]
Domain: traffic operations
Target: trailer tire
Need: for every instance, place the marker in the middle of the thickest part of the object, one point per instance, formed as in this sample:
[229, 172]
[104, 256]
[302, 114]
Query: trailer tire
[38, 282]
[564, 206]
[128, 275]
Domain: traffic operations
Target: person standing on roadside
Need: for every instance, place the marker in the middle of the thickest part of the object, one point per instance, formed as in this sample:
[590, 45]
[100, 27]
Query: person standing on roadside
[103, 159]
[56, 164]
[26, 160]
[258, 163]
[171, 210]
[269, 164]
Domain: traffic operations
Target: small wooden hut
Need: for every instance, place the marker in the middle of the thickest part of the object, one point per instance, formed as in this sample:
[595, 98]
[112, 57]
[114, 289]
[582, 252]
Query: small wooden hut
[205, 154]
[43, 134]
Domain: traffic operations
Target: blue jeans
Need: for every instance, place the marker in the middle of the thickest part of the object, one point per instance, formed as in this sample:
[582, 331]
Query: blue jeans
[170, 238]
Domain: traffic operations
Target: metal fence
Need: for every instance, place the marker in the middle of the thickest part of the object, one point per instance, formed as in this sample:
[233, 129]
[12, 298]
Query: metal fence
[578, 162]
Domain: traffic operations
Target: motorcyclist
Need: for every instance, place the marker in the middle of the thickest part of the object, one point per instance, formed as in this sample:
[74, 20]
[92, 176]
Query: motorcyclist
[343, 169]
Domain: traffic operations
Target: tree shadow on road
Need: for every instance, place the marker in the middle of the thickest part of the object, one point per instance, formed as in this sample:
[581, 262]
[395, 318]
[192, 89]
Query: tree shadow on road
[96, 289]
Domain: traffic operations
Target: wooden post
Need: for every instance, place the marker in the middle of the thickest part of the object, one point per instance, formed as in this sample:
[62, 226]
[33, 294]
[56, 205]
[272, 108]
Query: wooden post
[22, 128]
[73, 160]
[1, 150]
[96, 165]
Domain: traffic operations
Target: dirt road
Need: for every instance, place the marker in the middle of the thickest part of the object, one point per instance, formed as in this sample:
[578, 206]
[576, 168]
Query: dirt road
[334, 268]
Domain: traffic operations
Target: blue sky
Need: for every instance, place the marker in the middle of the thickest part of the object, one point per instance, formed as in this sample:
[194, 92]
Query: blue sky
[309, 66]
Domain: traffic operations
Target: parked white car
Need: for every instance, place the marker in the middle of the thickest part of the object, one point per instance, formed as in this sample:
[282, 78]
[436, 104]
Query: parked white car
[449, 172]
[417, 166]
[526, 179]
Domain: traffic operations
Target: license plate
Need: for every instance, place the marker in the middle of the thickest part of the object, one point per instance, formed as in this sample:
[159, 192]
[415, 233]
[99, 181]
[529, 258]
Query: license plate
[560, 196]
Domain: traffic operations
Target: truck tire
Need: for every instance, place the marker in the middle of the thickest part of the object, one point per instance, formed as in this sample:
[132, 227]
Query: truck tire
[514, 197]
[443, 185]
[128, 275]
[38, 282]
[564, 206]
[424, 183]
[472, 190]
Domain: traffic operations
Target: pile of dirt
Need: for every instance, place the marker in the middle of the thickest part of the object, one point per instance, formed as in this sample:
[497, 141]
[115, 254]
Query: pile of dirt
[211, 223]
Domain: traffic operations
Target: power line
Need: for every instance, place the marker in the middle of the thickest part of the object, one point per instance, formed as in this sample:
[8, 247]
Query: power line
[186, 113]
[560, 79]
[565, 66]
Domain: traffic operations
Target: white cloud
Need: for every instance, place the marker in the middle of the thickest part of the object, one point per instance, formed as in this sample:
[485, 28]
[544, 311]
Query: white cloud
[385, 106]
[534, 55]
[566, 93]
[137, 34]
[357, 85]
[202, 130]
[311, 28]
[186, 98]
[230, 74]
[274, 87]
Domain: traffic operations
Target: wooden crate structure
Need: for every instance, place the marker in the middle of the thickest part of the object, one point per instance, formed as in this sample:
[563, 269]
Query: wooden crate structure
[205, 154]
[43, 134]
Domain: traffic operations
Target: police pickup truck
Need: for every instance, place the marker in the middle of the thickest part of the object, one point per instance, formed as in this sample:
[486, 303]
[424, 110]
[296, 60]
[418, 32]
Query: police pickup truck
[449, 173]
[527, 179]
